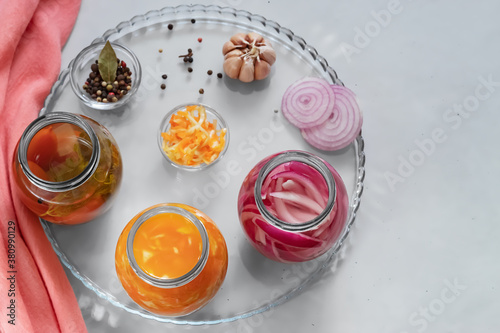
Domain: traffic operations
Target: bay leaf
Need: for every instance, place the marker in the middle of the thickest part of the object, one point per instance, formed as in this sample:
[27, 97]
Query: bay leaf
[107, 63]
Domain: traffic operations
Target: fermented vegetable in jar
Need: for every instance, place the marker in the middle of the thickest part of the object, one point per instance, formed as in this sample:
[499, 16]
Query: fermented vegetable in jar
[293, 206]
[171, 259]
[67, 168]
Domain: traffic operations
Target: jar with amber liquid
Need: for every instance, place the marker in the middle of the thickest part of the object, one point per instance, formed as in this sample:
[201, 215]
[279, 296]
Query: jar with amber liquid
[171, 259]
[67, 168]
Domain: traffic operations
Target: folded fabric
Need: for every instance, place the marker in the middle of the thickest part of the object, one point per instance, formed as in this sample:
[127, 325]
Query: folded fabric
[36, 295]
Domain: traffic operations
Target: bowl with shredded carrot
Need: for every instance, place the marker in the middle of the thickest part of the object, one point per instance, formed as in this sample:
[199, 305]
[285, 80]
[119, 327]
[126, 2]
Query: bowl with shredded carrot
[193, 136]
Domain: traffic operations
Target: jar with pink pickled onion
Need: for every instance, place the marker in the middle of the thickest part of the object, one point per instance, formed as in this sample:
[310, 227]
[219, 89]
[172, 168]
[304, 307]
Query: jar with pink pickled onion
[293, 206]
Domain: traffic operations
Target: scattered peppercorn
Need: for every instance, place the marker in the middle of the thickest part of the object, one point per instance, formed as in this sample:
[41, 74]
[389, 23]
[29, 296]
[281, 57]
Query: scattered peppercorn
[160, 50]
[40, 201]
[190, 69]
[193, 21]
[187, 57]
[164, 76]
[170, 26]
[201, 91]
[219, 75]
[163, 86]
[200, 40]
[209, 72]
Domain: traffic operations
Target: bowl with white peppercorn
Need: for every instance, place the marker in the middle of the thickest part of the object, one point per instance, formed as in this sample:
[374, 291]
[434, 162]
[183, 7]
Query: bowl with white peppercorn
[105, 75]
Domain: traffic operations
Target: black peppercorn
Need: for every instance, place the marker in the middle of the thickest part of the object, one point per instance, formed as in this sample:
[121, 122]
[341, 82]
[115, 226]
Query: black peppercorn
[164, 76]
[170, 26]
[163, 86]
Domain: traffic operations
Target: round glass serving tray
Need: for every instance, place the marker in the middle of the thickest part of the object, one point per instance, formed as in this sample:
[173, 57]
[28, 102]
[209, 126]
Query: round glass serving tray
[252, 111]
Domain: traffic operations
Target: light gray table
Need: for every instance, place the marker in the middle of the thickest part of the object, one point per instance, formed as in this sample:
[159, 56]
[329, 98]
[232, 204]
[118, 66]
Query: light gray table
[423, 255]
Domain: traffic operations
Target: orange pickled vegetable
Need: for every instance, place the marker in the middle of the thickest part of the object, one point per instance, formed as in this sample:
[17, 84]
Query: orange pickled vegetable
[155, 253]
[59, 150]
[191, 139]
[167, 245]
[43, 148]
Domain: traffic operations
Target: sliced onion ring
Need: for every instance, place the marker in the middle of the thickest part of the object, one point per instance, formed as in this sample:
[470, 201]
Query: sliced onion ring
[343, 125]
[308, 102]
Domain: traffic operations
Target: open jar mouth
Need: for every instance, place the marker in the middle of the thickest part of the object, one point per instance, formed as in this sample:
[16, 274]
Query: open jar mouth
[168, 282]
[310, 160]
[44, 121]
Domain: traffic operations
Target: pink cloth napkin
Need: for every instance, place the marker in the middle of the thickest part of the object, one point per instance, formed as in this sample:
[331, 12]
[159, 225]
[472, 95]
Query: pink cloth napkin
[35, 294]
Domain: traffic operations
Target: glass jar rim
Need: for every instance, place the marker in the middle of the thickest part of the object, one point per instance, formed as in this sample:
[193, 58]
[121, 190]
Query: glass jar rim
[310, 160]
[166, 282]
[42, 122]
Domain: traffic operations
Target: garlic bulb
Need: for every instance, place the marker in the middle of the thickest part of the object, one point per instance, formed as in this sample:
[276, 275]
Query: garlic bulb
[248, 57]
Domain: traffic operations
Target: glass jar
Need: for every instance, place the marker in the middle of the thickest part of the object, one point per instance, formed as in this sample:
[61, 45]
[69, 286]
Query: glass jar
[171, 259]
[67, 168]
[293, 206]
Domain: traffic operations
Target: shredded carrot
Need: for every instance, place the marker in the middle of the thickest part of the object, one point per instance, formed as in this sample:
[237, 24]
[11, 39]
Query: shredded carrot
[191, 139]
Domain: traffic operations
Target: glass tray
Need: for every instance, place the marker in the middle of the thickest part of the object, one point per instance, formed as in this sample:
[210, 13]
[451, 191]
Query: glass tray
[253, 283]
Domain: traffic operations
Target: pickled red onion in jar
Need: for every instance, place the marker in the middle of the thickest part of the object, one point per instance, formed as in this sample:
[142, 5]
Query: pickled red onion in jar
[294, 192]
[293, 206]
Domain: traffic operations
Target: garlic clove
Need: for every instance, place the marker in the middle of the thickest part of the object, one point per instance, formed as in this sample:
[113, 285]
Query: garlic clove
[247, 71]
[233, 53]
[228, 47]
[232, 67]
[239, 39]
[262, 70]
[254, 38]
[267, 54]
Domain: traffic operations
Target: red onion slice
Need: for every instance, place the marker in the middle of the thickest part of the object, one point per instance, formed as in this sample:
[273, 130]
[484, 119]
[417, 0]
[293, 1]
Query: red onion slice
[308, 102]
[343, 125]
[299, 200]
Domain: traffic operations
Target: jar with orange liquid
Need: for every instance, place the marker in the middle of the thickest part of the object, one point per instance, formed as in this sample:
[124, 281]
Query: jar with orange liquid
[66, 168]
[171, 259]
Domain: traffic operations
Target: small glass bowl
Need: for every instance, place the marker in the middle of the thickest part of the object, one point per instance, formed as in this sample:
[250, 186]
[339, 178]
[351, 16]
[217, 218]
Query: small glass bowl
[211, 115]
[80, 70]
